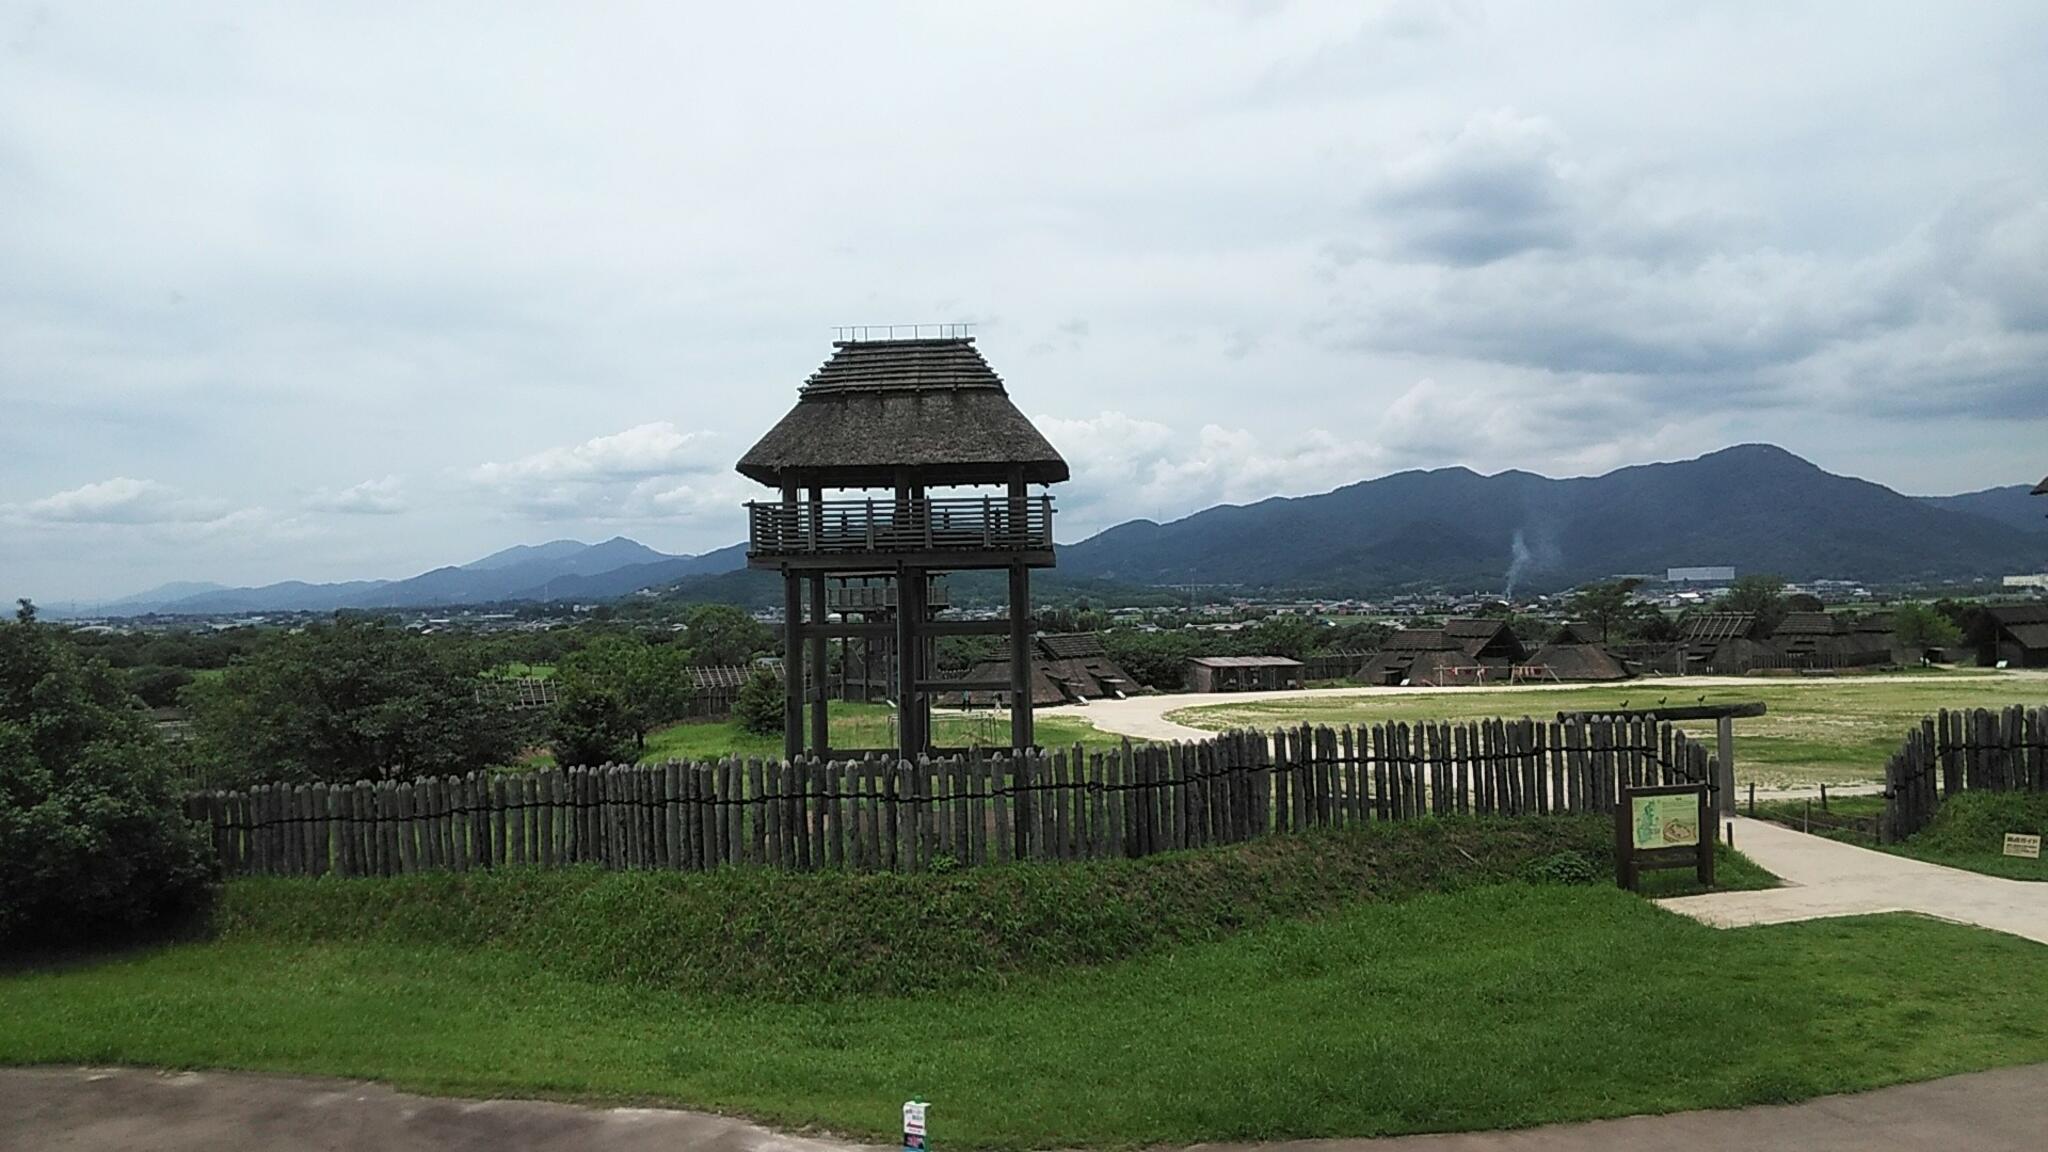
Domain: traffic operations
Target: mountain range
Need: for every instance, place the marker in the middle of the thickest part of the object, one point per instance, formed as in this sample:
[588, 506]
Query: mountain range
[1756, 507]
[557, 570]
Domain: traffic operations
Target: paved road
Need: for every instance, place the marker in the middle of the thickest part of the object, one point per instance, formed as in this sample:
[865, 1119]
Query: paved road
[1828, 878]
[116, 1110]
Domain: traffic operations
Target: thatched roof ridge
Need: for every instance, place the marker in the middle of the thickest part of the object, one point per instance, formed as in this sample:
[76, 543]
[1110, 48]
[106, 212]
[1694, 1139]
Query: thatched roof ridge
[880, 405]
[1809, 624]
[1419, 640]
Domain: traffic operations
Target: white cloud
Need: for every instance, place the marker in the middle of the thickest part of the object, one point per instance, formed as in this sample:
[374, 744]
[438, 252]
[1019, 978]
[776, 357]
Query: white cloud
[121, 500]
[385, 497]
[650, 473]
[654, 449]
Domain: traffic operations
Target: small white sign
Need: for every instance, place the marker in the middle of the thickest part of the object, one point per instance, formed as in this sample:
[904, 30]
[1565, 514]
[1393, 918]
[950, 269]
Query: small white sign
[2020, 844]
[913, 1125]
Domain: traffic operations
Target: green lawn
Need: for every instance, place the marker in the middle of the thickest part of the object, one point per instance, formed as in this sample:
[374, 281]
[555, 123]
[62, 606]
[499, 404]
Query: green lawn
[1968, 831]
[854, 725]
[1835, 730]
[1498, 1006]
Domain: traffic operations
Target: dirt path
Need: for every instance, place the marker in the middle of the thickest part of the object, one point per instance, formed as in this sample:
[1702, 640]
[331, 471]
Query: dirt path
[115, 1110]
[1144, 717]
[1827, 878]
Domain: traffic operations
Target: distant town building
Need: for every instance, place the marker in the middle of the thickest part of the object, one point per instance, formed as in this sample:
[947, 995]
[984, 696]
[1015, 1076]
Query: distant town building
[1720, 574]
[2037, 580]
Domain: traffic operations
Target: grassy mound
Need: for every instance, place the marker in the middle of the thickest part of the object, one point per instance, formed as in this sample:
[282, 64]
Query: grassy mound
[1968, 831]
[774, 935]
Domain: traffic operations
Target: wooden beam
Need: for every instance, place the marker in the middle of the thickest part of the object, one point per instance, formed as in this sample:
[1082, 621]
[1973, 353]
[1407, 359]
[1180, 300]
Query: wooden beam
[1672, 712]
[1021, 735]
[864, 630]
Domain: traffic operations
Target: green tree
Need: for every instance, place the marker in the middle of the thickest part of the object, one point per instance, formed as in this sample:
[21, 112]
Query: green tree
[25, 611]
[1607, 606]
[1760, 594]
[352, 700]
[1920, 627]
[724, 634]
[92, 844]
[613, 693]
[758, 706]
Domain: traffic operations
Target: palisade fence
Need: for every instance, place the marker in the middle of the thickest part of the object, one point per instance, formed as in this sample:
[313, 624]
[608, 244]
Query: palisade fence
[972, 809]
[1978, 749]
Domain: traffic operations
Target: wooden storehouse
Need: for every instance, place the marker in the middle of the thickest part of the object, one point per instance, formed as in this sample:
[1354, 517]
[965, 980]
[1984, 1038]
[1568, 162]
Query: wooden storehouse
[714, 688]
[1243, 673]
[1460, 652]
[1827, 640]
[903, 459]
[2021, 636]
[1344, 664]
[1066, 668]
[1725, 642]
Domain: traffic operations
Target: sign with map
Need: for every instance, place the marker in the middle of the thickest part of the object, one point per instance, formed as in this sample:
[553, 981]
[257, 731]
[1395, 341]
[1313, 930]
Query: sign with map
[1663, 826]
[1669, 821]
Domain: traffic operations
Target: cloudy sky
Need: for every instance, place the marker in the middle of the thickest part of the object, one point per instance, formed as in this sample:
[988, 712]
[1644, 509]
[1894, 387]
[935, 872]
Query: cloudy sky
[351, 290]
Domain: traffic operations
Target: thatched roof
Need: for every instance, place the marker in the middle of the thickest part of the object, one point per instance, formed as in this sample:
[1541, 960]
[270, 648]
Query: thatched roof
[1579, 662]
[2041, 489]
[880, 405]
[1420, 640]
[1715, 627]
[1809, 624]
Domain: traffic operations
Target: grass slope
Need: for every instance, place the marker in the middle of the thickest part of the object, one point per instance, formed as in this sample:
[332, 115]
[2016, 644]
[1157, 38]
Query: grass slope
[758, 933]
[1490, 1007]
[1832, 730]
[1968, 830]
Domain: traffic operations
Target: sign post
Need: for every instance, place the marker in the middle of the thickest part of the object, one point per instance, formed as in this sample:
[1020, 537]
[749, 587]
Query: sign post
[1664, 827]
[2022, 845]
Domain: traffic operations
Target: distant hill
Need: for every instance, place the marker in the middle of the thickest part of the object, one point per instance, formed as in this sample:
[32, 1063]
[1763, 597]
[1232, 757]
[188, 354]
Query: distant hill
[558, 570]
[1757, 507]
[2011, 505]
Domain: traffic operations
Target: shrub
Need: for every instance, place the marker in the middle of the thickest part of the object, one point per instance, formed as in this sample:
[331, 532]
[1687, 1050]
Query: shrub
[758, 706]
[1561, 868]
[92, 845]
[588, 730]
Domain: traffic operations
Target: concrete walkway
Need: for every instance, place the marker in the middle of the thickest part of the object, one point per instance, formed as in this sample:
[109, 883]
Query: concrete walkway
[1828, 878]
[115, 1110]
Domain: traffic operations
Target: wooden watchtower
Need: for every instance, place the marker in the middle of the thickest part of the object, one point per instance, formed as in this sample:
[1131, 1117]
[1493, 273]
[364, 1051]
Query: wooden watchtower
[902, 459]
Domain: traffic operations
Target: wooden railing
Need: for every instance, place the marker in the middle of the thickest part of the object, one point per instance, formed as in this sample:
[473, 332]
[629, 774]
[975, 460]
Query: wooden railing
[1962, 751]
[947, 524]
[885, 813]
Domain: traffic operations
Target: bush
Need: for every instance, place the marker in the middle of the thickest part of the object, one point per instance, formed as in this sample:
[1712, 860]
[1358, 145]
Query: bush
[758, 706]
[92, 844]
[1561, 868]
[589, 730]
